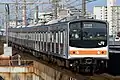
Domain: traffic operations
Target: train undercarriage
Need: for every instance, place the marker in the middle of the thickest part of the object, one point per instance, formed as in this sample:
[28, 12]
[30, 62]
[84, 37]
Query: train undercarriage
[83, 65]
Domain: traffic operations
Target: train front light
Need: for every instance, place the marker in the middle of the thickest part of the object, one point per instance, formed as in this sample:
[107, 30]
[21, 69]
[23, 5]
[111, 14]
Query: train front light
[98, 52]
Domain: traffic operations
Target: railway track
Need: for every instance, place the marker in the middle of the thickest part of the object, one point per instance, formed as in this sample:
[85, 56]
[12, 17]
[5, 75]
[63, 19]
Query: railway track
[74, 75]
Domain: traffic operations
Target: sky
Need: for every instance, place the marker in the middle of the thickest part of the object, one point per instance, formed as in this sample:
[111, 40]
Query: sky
[89, 5]
[99, 3]
[44, 7]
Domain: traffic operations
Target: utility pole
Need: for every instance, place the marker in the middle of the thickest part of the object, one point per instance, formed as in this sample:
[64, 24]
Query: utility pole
[36, 14]
[83, 8]
[24, 13]
[55, 2]
[16, 23]
[118, 29]
[7, 21]
[56, 9]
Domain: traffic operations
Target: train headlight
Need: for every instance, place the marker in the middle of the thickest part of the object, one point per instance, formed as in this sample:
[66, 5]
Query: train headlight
[98, 52]
[77, 52]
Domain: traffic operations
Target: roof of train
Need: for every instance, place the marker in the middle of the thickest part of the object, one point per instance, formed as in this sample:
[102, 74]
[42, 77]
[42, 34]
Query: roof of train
[34, 26]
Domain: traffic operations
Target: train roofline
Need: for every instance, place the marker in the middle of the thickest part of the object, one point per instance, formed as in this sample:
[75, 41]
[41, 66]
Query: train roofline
[88, 20]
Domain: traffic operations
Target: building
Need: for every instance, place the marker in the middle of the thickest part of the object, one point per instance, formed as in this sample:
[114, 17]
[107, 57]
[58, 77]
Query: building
[12, 23]
[111, 2]
[43, 17]
[73, 12]
[100, 12]
[109, 13]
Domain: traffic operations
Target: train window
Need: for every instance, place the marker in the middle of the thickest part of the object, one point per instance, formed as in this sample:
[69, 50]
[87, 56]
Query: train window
[64, 42]
[48, 37]
[34, 36]
[54, 34]
[52, 37]
[56, 38]
[75, 34]
[43, 41]
[61, 36]
[30, 35]
[75, 26]
[89, 35]
[75, 30]
[41, 36]
[98, 31]
[45, 36]
[37, 36]
[40, 41]
[46, 41]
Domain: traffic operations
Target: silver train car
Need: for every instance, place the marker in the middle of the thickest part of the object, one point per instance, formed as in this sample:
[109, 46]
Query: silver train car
[75, 43]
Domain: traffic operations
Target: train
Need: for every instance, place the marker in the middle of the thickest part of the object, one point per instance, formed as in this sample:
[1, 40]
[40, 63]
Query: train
[80, 45]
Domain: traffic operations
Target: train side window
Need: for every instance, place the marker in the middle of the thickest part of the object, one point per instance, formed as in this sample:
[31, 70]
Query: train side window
[46, 41]
[61, 34]
[31, 35]
[52, 37]
[56, 38]
[37, 36]
[48, 37]
[40, 41]
[42, 36]
[43, 40]
[34, 36]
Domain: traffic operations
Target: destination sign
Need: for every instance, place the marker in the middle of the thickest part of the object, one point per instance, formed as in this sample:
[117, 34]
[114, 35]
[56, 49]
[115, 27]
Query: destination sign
[87, 25]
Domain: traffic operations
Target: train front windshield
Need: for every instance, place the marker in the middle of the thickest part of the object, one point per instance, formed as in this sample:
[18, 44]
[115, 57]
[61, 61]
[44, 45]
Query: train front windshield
[88, 34]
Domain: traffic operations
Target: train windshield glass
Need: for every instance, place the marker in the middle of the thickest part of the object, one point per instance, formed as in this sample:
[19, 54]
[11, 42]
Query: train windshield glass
[75, 31]
[88, 34]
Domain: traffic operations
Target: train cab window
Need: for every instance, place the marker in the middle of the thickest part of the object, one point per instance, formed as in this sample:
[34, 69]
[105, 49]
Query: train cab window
[75, 30]
[87, 34]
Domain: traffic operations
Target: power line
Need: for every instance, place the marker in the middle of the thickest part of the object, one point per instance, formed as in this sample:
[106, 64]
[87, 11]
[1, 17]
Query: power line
[27, 3]
[78, 4]
[71, 2]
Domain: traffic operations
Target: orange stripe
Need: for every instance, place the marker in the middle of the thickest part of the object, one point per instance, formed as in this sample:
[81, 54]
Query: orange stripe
[88, 52]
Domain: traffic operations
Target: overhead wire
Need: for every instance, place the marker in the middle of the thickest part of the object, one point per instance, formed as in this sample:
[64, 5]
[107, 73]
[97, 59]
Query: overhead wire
[78, 4]
[72, 2]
